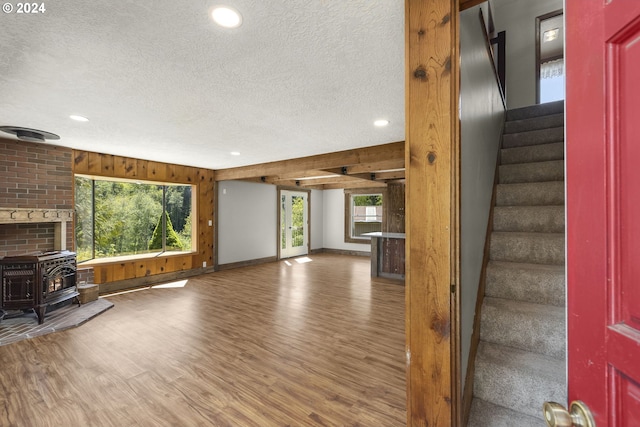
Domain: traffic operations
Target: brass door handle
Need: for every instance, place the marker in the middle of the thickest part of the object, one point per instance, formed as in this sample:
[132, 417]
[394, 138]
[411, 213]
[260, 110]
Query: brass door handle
[579, 415]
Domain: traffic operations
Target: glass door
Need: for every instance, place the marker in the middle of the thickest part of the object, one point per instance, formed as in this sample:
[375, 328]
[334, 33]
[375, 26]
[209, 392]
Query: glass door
[293, 223]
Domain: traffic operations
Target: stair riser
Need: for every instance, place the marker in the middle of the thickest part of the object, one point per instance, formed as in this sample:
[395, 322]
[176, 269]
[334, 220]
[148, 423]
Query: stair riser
[517, 389]
[534, 137]
[517, 379]
[532, 153]
[526, 282]
[542, 219]
[485, 414]
[532, 172]
[530, 194]
[530, 327]
[536, 248]
[541, 122]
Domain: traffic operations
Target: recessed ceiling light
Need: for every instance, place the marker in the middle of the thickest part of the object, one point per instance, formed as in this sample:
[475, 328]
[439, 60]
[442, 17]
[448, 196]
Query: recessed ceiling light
[226, 16]
[78, 118]
[235, 153]
[381, 123]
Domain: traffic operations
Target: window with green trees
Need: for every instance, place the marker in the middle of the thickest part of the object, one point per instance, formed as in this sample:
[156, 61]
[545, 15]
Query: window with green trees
[120, 218]
[363, 215]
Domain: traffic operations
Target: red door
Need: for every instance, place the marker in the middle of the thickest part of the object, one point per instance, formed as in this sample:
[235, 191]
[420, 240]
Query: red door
[603, 207]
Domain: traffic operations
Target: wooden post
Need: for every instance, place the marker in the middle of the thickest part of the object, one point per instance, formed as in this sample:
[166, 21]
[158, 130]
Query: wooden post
[432, 200]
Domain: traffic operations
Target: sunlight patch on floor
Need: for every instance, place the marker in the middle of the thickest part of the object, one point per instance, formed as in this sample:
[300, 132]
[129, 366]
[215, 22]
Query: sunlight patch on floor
[300, 260]
[178, 284]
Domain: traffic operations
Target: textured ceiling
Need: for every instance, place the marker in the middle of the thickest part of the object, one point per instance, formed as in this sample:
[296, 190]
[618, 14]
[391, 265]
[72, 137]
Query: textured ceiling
[159, 80]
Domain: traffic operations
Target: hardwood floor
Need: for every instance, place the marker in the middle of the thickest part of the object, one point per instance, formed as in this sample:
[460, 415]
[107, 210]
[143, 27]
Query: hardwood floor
[311, 344]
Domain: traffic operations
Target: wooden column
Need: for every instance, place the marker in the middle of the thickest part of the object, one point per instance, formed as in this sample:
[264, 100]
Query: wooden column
[432, 211]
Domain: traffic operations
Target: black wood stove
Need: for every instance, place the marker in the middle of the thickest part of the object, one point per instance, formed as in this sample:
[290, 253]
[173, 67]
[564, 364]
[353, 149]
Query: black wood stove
[38, 281]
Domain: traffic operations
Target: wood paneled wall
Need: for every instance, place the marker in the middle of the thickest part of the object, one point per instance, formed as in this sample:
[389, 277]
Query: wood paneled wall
[106, 165]
[393, 205]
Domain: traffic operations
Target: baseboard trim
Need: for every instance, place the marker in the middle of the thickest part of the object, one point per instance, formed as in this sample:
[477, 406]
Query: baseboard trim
[344, 252]
[247, 263]
[142, 282]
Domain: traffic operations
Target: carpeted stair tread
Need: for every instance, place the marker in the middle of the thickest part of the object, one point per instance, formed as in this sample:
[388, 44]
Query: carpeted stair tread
[537, 110]
[520, 361]
[532, 172]
[483, 411]
[534, 123]
[532, 153]
[538, 283]
[518, 379]
[533, 137]
[536, 248]
[530, 194]
[544, 219]
[537, 328]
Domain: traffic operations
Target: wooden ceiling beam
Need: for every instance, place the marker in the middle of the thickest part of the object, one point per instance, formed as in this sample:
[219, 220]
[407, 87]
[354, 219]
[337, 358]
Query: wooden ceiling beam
[358, 156]
[468, 4]
[355, 184]
[371, 167]
[380, 176]
[300, 175]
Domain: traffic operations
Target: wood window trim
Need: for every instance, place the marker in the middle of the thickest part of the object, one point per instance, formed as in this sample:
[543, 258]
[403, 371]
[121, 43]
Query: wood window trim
[348, 193]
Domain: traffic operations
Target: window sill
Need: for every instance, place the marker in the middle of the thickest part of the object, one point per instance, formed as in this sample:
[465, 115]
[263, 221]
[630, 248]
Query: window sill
[362, 241]
[126, 258]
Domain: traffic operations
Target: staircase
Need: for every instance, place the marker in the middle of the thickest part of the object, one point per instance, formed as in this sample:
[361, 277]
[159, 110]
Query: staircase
[521, 357]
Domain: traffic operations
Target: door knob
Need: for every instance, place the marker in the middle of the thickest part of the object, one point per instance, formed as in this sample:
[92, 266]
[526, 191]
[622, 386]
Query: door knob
[579, 415]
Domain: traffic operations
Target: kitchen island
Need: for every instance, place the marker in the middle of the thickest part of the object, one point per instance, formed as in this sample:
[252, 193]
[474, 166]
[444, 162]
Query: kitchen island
[387, 254]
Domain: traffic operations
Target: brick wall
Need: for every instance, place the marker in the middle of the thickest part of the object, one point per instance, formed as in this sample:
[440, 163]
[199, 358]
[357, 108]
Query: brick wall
[33, 176]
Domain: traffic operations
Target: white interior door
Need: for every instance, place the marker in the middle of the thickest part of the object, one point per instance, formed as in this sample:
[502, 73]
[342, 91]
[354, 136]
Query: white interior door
[294, 224]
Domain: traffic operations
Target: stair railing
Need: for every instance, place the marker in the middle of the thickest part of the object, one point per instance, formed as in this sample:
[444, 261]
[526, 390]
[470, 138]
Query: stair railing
[497, 48]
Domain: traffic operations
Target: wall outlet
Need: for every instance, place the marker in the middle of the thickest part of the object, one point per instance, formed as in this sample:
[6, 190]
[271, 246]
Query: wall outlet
[210, 223]
[204, 264]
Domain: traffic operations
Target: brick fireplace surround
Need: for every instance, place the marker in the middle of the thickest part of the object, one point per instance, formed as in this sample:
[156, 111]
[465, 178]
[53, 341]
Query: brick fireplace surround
[35, 177]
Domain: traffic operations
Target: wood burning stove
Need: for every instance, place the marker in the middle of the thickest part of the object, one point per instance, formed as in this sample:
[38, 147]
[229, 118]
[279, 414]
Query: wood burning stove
[38, 281]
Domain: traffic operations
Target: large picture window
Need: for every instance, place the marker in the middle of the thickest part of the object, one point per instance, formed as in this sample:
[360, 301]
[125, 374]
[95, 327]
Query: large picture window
[363, 214]
[124, 218]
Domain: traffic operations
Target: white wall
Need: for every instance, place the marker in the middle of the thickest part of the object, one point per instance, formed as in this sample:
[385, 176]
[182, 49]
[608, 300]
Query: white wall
[482, 118]
[247, 221]
[518, 19]
[334, 223]
[316, 226]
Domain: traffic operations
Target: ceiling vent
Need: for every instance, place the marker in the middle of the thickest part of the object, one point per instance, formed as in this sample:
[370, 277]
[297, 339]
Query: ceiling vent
[27, 134]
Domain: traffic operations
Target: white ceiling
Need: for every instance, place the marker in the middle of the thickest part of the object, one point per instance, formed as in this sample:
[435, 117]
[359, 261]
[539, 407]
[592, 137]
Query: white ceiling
[160, 81]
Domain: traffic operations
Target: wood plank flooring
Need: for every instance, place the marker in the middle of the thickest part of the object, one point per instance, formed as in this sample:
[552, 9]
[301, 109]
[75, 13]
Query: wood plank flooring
[319, 343]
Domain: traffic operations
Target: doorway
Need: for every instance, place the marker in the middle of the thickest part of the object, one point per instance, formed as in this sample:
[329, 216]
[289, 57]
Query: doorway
[294, 223]
[550, 77]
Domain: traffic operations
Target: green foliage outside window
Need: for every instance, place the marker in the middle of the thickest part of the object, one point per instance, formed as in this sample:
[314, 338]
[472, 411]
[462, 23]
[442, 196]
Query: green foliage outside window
[116, 218]
[368, 200]
[172, 241]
